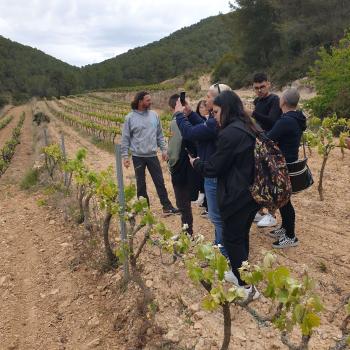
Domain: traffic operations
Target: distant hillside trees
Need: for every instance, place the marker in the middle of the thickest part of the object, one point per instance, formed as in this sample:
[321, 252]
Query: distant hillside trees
[26, 72]
[197, 47]
[331, 76]
[280, 37]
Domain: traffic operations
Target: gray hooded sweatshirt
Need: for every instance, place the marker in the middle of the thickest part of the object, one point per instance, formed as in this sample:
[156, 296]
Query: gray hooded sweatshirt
[142, 134]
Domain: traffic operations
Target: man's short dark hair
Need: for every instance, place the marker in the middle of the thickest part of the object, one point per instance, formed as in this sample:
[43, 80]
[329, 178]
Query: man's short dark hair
[138, 97]
[172, 100]
[260, 77]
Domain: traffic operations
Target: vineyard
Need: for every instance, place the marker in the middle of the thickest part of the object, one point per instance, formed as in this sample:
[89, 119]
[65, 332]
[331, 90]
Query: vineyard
[62, 277]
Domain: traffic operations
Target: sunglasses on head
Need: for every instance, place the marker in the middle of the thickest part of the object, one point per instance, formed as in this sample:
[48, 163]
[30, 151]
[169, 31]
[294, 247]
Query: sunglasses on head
[217, 85]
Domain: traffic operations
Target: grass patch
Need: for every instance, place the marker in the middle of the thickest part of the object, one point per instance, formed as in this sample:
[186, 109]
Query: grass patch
[104, 145]
[41, 202]
[30, 179]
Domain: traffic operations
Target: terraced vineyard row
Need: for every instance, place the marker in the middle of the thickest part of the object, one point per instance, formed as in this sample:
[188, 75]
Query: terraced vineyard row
[5, 121]
[8, 150]
[101, 119]
[84, 122]
[90, 104]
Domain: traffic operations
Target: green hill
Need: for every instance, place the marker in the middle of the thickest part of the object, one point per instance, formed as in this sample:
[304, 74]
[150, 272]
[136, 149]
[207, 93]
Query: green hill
[25, 72]
[197, 47]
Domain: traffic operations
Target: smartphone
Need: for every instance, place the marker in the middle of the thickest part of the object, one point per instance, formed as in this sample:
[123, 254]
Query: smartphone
[182, 97]
[189, 152]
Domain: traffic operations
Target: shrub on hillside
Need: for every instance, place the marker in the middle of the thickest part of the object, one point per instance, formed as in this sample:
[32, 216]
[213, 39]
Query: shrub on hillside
[331, 76]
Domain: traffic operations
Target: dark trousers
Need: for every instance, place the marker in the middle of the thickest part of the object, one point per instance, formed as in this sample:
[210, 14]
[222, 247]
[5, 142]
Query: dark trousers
[288, 219]
[153, 166]
[236, 237]
[183, 203]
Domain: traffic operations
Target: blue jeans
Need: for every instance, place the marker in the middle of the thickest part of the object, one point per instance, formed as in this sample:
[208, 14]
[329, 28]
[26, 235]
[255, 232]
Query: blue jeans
[210, 185]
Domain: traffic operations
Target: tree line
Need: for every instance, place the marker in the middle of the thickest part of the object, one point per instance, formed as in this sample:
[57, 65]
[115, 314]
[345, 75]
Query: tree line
[280, 37]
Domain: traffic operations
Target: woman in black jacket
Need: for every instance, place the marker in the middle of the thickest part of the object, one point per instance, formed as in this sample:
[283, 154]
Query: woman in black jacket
[233, 165]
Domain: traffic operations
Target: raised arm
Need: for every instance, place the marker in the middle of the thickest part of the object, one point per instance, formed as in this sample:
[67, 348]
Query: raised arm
[206, 130]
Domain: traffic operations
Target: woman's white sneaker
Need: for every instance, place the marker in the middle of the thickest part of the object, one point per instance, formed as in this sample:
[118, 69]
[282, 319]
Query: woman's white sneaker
[231, 278]
[251, 293]
[258, 217]
[267, 221]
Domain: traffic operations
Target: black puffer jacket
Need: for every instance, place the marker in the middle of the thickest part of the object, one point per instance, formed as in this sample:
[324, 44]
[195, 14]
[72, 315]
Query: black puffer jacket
[233, 165]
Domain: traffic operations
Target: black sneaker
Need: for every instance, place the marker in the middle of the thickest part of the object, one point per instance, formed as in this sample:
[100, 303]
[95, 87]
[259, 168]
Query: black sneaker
[171, 211]
[285, 242]
[277, 233]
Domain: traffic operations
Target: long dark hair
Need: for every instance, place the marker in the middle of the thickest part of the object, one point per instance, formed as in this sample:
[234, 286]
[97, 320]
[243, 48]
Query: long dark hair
[138, 97]
[198, 106]
[232, 109]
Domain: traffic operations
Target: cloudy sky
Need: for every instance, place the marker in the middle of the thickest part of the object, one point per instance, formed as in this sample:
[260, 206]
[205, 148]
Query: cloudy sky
[87, 31]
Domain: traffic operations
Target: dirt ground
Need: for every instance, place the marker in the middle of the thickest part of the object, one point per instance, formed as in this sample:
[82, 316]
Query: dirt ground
[52, 299]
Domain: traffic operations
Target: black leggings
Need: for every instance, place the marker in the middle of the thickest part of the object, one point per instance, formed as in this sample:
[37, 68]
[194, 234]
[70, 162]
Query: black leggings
[288, 219]
[236, 236]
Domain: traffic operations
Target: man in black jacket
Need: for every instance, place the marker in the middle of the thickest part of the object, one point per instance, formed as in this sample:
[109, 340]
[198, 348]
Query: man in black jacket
[267, 111]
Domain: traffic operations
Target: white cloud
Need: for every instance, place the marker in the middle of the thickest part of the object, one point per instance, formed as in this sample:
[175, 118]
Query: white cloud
[86, 31]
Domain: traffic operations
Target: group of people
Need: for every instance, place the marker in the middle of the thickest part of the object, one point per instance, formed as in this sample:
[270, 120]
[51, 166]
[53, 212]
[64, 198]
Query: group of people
[213, 148]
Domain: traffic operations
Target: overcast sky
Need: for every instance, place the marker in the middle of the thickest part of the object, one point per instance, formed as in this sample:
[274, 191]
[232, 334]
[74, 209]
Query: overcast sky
[86, 31]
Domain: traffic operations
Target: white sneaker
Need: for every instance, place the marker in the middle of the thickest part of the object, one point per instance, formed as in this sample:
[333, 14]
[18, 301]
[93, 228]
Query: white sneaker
[251, 293]
[267, 221]
[258, 217]
[231, 278]
[200, 199]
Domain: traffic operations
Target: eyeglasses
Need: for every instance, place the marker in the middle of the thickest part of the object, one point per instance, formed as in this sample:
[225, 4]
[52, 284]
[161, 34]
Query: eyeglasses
[217, 85]
[258, 88]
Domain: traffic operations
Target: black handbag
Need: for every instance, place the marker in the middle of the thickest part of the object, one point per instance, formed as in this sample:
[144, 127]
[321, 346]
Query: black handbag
[300, 174]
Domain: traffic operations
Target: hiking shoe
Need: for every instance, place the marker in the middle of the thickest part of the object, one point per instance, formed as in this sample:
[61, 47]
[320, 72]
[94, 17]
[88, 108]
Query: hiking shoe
[285, 242]
[267, 221]
[277, 233]
[251, 293]
[171, 211]
[230, 277]
[258, 217]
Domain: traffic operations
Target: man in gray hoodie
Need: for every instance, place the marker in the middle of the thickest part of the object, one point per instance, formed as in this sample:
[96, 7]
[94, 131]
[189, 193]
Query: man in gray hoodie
[142, 135]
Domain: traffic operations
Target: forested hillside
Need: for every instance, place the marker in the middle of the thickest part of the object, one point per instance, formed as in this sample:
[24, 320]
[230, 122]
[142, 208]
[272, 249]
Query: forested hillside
[197, 47]
[25, 72]
[280, 37]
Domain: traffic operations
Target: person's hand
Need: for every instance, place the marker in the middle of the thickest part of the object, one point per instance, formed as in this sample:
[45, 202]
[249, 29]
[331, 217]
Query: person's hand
[179, 107]
[165, 156]
[192, 159]
[187, 109]
[126, 162]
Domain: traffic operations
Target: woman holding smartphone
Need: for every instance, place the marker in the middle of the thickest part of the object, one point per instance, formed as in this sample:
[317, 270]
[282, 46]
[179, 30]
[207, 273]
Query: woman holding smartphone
[233, 166]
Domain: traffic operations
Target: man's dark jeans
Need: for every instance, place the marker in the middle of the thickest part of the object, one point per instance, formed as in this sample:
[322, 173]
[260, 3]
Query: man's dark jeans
[153, 166]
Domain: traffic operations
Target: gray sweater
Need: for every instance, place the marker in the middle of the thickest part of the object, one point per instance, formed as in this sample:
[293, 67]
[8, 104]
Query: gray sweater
[142, 134]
